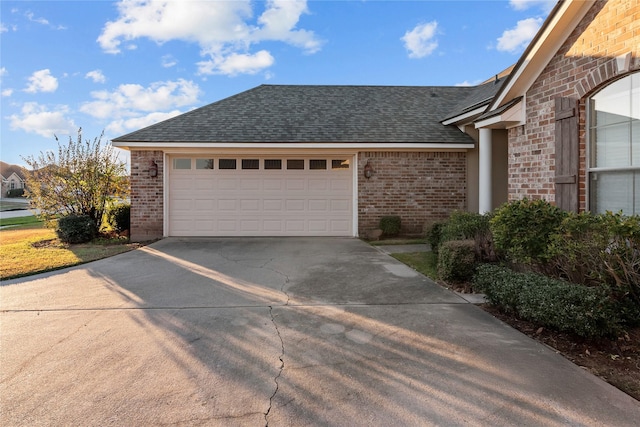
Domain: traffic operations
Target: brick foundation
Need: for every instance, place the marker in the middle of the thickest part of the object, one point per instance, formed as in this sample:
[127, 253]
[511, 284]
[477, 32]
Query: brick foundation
[147, 196]
[584, 64]
[418, 187]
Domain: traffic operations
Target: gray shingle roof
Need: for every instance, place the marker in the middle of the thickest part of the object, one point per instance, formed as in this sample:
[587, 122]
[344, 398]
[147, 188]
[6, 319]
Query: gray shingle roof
[290, 114]
[481, 95]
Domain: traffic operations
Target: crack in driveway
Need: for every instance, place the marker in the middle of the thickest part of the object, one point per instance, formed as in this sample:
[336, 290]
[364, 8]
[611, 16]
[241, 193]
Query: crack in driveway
[277, 377]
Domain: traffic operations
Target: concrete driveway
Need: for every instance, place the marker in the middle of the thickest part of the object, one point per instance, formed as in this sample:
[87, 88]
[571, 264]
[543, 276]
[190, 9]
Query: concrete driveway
[279, 332]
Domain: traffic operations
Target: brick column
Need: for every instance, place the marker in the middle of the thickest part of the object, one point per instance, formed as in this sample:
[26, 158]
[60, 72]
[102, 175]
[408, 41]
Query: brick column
[147, 196]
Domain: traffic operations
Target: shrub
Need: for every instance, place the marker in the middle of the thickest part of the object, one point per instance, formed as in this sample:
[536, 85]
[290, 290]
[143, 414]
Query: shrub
[119, 217]
[588, 312]
[595, 249]
[390, 225]
[15, 192]
[522, 229]
[75, 229]
[433, 233]
[468, 225]
[456, 261]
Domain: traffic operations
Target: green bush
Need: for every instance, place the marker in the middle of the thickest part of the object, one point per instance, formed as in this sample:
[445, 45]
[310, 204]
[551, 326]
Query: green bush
[390, 225]
[468, 225]
[457, 261]
[600, 249]
[522, 229]
[16, 192]
[433, 233]
[120, 217]
[585, 311]
[75, 229]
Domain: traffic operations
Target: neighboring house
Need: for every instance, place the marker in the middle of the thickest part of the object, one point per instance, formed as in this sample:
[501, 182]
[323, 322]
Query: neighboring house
[13, 178]
[332, 160]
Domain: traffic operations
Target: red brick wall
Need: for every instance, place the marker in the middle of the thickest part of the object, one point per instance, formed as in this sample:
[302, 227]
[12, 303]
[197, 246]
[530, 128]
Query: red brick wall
[147, 196]
[418, 187]
[585, 63]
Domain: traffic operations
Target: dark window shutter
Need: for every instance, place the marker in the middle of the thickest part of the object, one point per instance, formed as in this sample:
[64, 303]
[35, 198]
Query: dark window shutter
[567, 151]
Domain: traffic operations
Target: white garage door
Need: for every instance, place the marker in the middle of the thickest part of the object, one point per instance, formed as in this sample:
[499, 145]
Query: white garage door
[253, 196]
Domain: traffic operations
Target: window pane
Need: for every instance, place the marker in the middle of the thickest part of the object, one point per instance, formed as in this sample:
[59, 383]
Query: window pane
[613, 103]
[339, 164]
[182, 163]
[250, 164]
[273, 164]
[294, 164]
[226, 163]
[612, 147]
[204, 163]
[635, 142]
[613, 191]
[317, 164]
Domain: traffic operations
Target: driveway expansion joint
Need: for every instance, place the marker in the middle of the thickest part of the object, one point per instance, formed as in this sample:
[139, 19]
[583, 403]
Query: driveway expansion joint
[277, 377]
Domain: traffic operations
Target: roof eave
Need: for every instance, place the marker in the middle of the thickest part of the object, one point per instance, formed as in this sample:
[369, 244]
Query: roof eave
[562, 20]
[295, 146]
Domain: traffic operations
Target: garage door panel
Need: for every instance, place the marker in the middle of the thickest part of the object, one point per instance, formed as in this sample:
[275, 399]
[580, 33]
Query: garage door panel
[249, 205]
[272, 202]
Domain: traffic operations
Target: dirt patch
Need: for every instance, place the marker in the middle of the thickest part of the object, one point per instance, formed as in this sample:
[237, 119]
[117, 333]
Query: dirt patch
[615, 361]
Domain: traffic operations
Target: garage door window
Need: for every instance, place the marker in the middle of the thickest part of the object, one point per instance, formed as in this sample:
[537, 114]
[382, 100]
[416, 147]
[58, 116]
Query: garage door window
[250, 164]
[204, 163]
[270, 164]
[182, 163]
[295, 164]
[226, 163]
[339, 164]
[317, 164]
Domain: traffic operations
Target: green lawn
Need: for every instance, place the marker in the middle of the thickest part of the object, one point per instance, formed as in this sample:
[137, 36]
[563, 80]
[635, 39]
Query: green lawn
[31, 249]
[423, 262]
[23, 220]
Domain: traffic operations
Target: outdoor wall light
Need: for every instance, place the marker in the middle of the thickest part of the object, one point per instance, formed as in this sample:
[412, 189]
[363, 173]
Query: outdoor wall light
[368, 170]
[153, 169]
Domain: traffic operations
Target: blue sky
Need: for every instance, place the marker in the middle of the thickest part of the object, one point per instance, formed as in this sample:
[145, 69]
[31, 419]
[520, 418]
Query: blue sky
[121, 66]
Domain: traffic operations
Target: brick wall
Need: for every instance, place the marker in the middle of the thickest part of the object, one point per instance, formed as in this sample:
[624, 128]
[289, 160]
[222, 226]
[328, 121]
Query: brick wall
[418, 187]
[584, 64]
[147, 196]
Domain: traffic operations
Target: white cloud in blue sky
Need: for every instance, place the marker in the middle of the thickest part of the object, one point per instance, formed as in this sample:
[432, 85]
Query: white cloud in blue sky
[514, 40]
[120, 65]
[42, 81]
[223, 30]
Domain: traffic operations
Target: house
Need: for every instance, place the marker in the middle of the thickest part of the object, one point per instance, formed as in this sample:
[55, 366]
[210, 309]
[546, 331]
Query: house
[13, 178]
[332, 160]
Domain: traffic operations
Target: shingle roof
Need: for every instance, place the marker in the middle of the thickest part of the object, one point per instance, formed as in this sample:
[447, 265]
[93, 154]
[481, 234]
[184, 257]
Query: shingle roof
[290, 114]
[481, 95]
[6, 170]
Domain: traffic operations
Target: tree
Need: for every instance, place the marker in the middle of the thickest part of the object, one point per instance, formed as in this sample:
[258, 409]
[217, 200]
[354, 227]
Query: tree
[81, 179]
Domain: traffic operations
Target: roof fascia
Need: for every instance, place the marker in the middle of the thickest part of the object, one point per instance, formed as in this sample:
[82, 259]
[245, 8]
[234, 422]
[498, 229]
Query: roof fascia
[465, 117]
[511, 117]
[293, 146]
[560, 23]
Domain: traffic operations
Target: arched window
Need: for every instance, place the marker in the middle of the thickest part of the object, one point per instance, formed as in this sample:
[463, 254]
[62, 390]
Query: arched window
[614, 147]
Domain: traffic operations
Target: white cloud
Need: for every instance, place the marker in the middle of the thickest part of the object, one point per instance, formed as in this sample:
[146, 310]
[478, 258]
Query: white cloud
[420, 41]
[42, 81]
[122, 126]
[129, 100]
[237, 63]
[43, 21]
[168, 61]
[3, 72]
[3, 28]
[545, 5]
[518, 38]
[96, 76]
[38, 119]
[468, 83]
[221, 29]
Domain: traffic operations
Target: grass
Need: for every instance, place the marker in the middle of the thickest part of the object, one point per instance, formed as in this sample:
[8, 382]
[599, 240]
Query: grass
[397, 241]
[423, 262]
[32, 249]
[23, 220]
